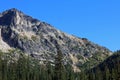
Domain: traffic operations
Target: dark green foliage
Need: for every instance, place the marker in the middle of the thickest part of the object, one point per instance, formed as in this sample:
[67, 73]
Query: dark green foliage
[28, 68]
[59, 68]
[107, 70]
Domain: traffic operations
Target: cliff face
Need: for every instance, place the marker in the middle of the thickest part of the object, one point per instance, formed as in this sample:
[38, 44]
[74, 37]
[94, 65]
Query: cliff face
[39, 39]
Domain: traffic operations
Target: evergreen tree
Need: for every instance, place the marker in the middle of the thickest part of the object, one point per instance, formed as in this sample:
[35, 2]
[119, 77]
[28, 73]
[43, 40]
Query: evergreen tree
[59, 66]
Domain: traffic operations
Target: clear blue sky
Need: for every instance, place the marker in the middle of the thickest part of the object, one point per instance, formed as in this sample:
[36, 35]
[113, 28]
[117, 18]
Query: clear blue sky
[97, 20]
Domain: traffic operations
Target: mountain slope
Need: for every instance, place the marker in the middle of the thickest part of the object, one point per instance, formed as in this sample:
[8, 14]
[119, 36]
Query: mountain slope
[39, 40]
[109, 69]
[111, 62]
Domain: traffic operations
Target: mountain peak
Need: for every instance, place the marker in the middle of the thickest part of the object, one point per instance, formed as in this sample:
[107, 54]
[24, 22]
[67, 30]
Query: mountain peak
[9, 17]
[39, 39]
[13, 10]
[15, 17]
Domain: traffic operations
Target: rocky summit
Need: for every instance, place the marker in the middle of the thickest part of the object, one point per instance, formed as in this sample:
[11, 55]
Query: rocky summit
[39, 39]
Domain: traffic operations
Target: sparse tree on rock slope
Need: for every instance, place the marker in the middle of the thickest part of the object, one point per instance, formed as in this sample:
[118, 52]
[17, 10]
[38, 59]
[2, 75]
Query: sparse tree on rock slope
[59, 66]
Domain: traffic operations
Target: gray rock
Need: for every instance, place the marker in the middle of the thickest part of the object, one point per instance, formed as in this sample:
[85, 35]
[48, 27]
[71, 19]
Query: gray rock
[39, 38]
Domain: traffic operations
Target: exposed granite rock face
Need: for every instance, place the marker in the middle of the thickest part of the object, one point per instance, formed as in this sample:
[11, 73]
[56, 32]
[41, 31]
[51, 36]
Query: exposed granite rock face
[39, 38]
